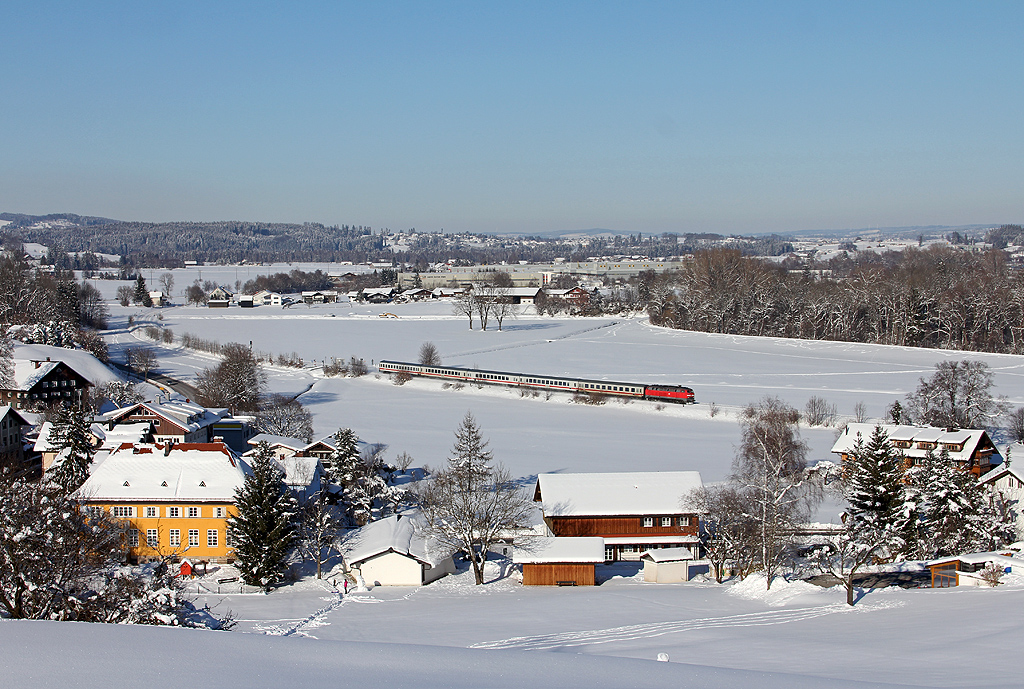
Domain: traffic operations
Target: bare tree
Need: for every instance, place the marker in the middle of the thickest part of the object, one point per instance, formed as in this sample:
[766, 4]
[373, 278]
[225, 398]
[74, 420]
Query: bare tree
[283, 415]
[195, 294]
[6, 358]
[818, 412]
[959, 394]
[769, 471]
[429, 356]
[142, 360]
[317, 532]
[472, 503]
[236, 383]
[465, 305]
[1017, 424]
[356, 367]
[118, 393]
[167, 284]
[124, 295]
[860, 412]
[727, 529]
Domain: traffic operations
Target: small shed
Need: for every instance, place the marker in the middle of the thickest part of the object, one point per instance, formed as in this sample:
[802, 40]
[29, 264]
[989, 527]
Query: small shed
[965, 570]
[559, 561]
[394, 552]
[246, 301]
[186, 569]
[671, 565]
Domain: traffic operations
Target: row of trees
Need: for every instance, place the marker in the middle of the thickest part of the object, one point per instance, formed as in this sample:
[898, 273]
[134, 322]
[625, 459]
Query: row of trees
[938, 297]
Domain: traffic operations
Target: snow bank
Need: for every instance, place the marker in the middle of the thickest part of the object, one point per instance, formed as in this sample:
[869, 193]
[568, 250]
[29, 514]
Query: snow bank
[755, 587]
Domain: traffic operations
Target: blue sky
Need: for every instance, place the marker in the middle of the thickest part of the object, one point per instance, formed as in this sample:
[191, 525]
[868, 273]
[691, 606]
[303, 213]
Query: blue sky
[494, 117]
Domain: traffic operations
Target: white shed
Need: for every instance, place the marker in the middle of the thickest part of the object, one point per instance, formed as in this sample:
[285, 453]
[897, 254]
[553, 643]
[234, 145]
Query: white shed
[671, 565]
[394, 552]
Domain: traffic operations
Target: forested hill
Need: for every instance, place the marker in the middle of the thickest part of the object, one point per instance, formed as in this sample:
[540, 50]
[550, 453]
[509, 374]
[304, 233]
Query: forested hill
[160, 243]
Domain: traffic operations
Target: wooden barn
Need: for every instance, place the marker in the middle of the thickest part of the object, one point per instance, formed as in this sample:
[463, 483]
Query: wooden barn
[633, 511]
[559, 561]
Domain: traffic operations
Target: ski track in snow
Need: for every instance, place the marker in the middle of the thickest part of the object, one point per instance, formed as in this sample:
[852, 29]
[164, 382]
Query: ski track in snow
[319, 617]
[632, 632]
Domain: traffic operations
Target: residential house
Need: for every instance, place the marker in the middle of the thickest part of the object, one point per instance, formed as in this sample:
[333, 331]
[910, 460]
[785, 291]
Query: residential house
[104, 440]
[171, 421]
[416, 294]
[267, 298]
[633, 511]
[320, 297]
[281, 446]
[575, 296]
[1007, 482]
[157, 298]
[447, 292]
[971, 449]
[12, 441]
[39, 383]
[219, 298]
[395, 552]
[562, 561]
[174, 499]
[378, 295]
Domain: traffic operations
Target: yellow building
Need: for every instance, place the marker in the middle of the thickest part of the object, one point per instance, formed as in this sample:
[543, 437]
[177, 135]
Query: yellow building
[175, 500]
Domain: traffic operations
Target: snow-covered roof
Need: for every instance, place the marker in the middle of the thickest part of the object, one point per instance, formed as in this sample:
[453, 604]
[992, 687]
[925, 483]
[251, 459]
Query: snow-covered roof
[6, 409]
[299, 471]
[999, 557]
[28, 373]
[968, 438]
[668, 554]
[402, 534]
[559, 549]
[80, 361]
[1001, 471]
[188, 415]
[187, 472]
[277, 441]
[610, 494]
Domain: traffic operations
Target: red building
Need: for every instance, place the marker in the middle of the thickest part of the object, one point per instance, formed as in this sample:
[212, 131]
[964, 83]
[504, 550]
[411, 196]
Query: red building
[633, 511]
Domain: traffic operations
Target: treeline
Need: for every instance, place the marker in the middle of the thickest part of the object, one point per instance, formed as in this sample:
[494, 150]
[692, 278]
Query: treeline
[290, 282]
[937, 297]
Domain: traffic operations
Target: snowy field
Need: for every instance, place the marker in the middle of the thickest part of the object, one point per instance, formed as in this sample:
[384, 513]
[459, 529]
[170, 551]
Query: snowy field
[452, 634]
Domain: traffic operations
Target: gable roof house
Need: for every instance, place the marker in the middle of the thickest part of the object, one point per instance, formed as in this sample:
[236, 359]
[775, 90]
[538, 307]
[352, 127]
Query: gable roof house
[267, 298]
[1008, 483]
[219, 298]
[394, 552]
[971, 449]
[174, 499]
[179, 422]
[39, 383]
[104, 440]
[633, 511]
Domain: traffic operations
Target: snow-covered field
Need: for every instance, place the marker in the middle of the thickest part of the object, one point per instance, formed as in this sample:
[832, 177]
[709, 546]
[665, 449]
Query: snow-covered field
[451, 633]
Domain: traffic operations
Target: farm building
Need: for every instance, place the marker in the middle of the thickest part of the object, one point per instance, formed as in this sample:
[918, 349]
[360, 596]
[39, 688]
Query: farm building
[633, 511]
[559, 561]
[672, 565]
[972, 449]
[394, 552]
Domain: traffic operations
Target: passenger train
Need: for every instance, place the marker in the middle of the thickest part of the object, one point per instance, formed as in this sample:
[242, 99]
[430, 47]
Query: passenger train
[663, 393]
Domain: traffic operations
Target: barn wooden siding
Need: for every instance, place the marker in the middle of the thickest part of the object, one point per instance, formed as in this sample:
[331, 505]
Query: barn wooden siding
[551, 574]
[620, 526]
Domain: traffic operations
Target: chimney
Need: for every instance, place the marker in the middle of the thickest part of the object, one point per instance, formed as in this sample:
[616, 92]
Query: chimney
[167, 447]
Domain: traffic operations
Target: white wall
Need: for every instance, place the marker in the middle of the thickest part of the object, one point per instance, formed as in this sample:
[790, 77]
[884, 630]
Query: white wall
[391, 569]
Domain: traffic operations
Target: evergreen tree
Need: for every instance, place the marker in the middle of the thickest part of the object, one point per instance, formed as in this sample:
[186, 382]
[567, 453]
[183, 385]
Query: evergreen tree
[262, 532]
[70, 438]
[344, 454]
[141, 294]
[878, 511]
[470, 458]
[956, 514]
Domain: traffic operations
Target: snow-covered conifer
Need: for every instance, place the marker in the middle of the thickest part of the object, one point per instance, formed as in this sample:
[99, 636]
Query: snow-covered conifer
[70, 438]
[262, 532]
[876, 493]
